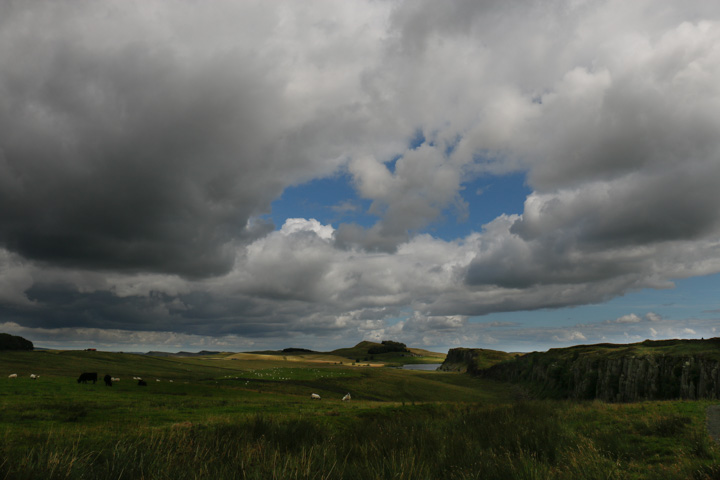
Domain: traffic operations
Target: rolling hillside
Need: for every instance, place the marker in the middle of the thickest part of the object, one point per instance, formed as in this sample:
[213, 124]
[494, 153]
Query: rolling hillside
[363, 353]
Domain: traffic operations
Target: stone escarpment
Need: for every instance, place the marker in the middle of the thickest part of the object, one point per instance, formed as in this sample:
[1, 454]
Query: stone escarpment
[646, 371]
[458, 360]
[472, 360]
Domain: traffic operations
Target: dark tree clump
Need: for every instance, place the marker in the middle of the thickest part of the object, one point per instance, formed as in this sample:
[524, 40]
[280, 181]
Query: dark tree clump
[13, 342]
[387, 347]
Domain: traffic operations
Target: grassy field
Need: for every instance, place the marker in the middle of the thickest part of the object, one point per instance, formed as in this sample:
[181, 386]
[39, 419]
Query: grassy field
[226, 416]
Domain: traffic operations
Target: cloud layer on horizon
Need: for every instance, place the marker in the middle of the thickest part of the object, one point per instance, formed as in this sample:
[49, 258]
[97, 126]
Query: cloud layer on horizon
[142, 143]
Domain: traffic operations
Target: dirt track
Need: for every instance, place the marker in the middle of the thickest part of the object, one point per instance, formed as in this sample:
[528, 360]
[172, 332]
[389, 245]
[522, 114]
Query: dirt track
[713, 422]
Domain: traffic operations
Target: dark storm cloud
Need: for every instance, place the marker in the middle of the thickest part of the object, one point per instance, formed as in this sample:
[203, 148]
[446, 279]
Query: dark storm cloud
[120, 154]
[144, 137]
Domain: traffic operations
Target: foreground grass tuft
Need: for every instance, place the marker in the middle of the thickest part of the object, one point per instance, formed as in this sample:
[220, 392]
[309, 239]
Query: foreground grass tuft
[532, 440]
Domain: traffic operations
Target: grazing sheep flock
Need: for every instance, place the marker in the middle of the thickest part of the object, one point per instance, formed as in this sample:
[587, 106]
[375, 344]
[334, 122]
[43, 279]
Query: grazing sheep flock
[315, 396]
[86, 377]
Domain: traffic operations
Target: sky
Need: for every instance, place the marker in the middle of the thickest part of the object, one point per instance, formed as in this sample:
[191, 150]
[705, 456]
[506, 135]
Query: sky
[250, 175]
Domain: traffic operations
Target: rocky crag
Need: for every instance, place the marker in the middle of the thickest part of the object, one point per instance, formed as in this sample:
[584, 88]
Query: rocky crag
[651, 370]
[472, 360]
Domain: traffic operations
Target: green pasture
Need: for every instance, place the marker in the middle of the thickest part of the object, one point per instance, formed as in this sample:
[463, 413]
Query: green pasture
[194, 389]
[222, 418]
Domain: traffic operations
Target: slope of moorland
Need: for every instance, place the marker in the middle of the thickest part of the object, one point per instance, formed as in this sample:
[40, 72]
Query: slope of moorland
[367, 353]
[315, 357]
[649, 370]
[293, 376]
[253, 417]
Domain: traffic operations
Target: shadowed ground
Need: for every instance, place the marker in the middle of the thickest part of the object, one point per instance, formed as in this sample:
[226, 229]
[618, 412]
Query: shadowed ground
[713, 422]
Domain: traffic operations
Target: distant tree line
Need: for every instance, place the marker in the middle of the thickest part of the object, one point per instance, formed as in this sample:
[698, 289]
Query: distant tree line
[387, 347]
[297, 350]
[13, 342]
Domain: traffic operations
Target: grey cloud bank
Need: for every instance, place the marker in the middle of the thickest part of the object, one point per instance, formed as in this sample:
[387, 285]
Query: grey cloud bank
[141, 142]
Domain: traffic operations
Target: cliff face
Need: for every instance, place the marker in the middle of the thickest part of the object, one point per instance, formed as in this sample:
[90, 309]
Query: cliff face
[458, 360]
[617, 378]
[472, 360]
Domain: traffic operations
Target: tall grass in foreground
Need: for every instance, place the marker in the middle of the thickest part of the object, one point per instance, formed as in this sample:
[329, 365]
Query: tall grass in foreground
[534, 440]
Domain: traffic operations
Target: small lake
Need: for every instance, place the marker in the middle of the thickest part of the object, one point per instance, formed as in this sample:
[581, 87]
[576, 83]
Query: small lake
[421, 366]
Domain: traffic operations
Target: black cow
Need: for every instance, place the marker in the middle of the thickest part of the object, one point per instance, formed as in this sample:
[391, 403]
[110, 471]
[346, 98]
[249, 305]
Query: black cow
[142, 383]
[108, 380]
[86, 377]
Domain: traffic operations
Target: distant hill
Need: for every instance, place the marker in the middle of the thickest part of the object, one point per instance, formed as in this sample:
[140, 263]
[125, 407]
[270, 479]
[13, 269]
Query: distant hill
[14, 342]
[367, 349]
[297, 350]
[649, 370]
[359, 350]
[181, 354]
[386, 352]
[389, 353]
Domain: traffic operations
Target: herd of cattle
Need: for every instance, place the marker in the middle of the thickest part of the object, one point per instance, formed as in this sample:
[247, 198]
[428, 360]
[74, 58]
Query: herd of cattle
[86, 377]
[93, 376]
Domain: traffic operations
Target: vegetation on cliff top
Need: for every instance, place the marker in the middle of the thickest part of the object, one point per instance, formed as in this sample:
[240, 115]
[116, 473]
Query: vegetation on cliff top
[709, 349]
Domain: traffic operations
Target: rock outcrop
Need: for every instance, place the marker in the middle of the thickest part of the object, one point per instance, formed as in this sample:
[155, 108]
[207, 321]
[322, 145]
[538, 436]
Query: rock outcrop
[687, 369]
[458, 360]
[472, 360]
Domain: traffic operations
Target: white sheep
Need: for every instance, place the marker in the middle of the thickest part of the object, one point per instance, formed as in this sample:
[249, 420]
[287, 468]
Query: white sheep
[113, 379]
[346, 398]
[12, 375]
[315, 396]
[34, 377]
